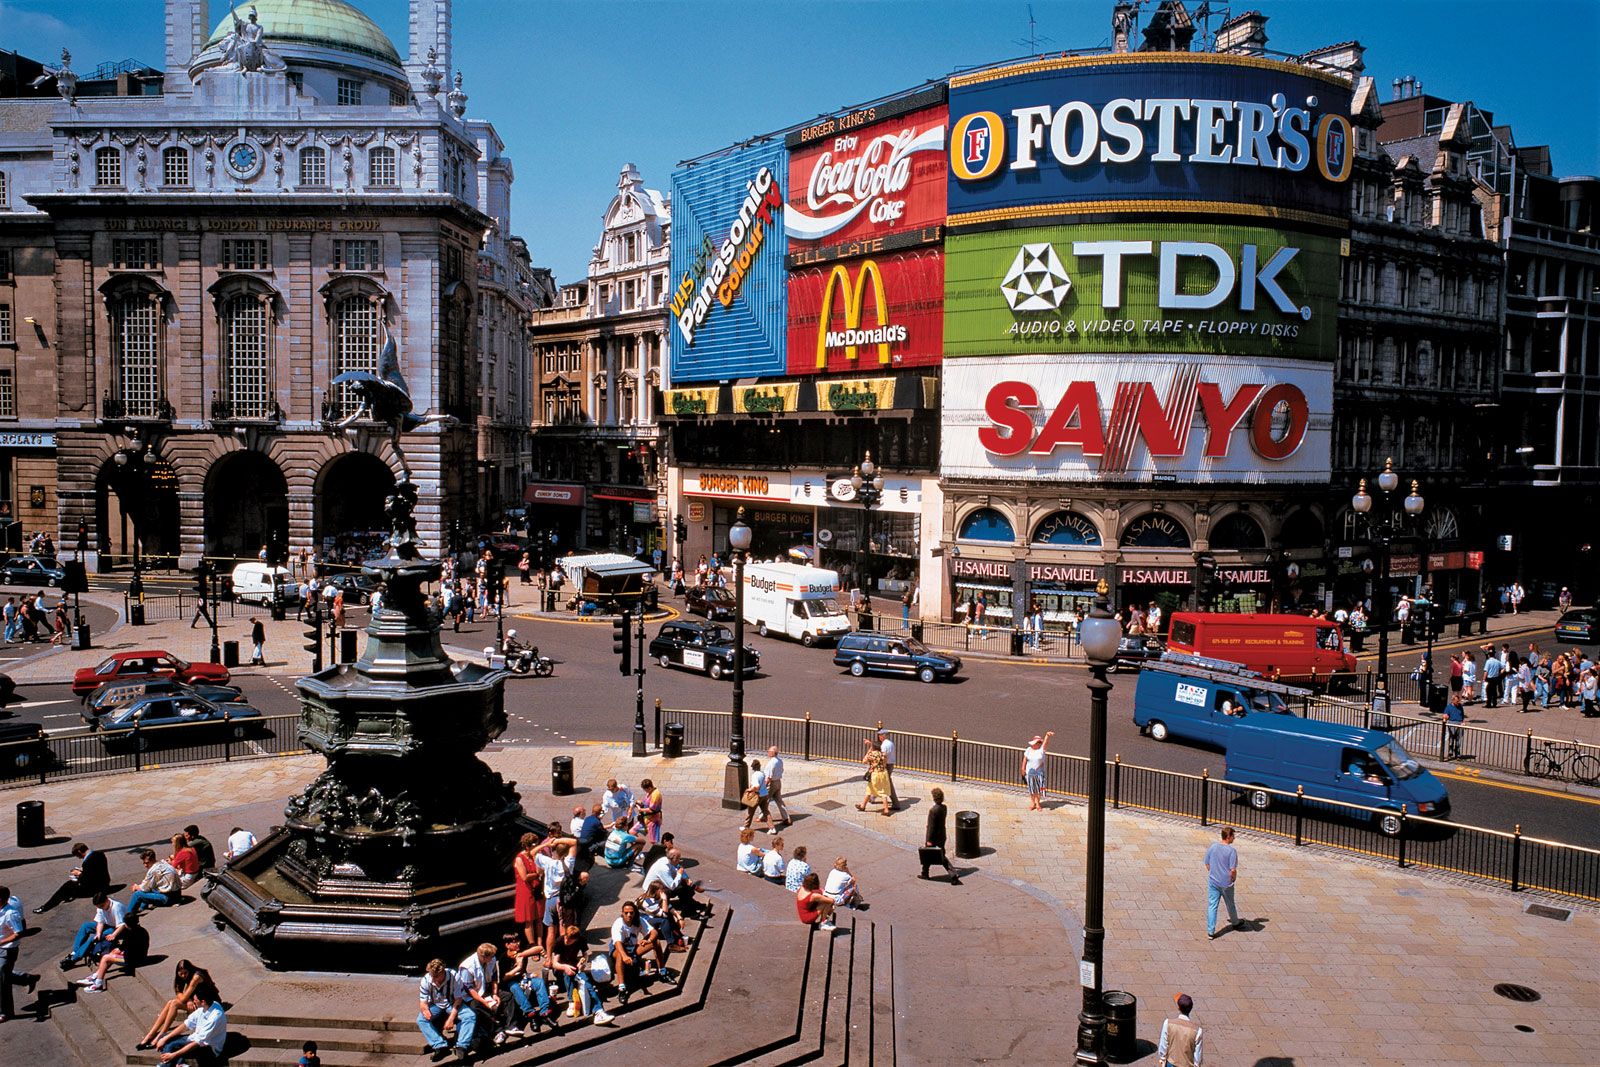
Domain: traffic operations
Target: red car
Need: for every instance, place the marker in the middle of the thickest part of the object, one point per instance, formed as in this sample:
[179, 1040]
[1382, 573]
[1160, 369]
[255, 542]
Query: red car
[152, 663]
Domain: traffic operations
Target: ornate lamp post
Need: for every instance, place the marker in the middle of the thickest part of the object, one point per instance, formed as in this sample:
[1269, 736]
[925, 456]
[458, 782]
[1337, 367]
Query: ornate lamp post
[867, 481]
[131, 461]
[1100, 633]
[1383, 526]
[736, 777]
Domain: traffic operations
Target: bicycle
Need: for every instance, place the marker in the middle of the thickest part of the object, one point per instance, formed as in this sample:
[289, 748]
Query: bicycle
[1550, 759]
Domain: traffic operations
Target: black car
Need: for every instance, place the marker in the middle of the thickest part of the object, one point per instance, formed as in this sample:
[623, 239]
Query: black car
[700, 646]
[23, 749]
[1134, 650]
[861, 651]
[713, 603]
[357, 587]
[1581, 625]
[32, 570]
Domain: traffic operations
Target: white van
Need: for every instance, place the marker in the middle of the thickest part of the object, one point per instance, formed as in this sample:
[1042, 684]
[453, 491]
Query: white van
[797, 601]
[253, 584]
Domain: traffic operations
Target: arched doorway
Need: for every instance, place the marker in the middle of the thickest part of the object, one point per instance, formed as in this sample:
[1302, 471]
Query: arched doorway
[137, 500]
[247, 506]
[350, 496]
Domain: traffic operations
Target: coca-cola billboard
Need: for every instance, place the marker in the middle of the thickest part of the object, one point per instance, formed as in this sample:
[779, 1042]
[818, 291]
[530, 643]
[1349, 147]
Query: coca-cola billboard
[867, 177]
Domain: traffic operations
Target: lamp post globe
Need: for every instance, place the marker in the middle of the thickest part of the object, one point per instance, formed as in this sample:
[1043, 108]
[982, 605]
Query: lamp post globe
[1100, 633]
[1388, 481]
[735, 776]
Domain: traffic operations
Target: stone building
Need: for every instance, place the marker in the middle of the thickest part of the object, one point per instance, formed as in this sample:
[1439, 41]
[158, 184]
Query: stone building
[599, 355]
[199, 263]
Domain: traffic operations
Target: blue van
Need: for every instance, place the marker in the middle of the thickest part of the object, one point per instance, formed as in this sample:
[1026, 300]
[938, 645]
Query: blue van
[1201, 699]
[1337, 763]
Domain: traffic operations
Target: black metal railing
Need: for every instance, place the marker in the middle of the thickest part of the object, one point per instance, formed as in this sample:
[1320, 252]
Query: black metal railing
[84, 752]
[1507, 858]
[181, 607]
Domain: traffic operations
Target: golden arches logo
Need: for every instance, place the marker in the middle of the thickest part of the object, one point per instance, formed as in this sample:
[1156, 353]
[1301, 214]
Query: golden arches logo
[854, 299]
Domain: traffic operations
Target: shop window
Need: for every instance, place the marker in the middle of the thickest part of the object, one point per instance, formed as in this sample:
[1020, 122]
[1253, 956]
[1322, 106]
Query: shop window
[987, 524]
[1155, 530]
[1237, 531]
[1066, 528]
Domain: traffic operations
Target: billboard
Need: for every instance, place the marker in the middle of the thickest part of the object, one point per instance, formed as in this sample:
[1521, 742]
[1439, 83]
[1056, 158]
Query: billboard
[730, 293]
[1102, 416]
[1164, 130]
[1139, 287]
[867, 315]
[866, 176]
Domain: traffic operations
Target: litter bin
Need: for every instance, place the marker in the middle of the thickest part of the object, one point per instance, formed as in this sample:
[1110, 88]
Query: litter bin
[967, 835]
[230, 653]
[561, 776]
[549, 600]
[672, 747]
[30, 823]
[80, 637]
[916, 631]
[864, 618]
[1016, 642]
[1122, 1019]
[347, 646]
[1464, 628]
[1408, 633]
[136, 613]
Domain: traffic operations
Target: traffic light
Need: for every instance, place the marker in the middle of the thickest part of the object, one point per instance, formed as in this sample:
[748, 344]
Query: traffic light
[682, 530]
[313, 643]
[621, 643]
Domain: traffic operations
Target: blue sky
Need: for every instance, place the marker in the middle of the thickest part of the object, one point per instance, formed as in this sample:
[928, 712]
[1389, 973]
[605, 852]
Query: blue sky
[578, 87]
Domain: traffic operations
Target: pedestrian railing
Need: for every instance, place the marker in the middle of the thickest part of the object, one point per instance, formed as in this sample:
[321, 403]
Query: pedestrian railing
[90, 752]
[998, 640]
[182, 607]
[1507, 858]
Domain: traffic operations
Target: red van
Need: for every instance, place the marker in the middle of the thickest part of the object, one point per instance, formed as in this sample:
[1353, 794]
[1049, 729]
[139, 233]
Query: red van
[1290, 647]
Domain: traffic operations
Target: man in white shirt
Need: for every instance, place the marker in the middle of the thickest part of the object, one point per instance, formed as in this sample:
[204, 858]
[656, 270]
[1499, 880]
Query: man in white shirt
[1180, 1037]
[617, 803]
[240, 841]
[439, 1007]
[775, 789]
[108, 915]
[578, 815]
[201, 1036]
[630, 940]
[12, 927]
[668, 871]
[886, 746]
[479, 975]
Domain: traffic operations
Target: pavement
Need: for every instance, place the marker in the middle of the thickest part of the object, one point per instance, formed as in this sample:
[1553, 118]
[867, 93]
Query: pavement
[1339, 960]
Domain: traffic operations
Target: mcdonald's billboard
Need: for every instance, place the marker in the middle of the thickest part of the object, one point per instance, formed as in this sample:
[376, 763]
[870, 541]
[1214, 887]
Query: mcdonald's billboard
[867, 315]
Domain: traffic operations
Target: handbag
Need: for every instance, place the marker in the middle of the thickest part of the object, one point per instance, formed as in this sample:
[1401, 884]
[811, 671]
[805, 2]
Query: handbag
[751, 797]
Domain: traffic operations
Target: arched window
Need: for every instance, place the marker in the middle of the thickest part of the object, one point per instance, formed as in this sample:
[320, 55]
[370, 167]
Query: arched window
[1237, 531]
[175, 166]
[244, 325]
[313, 166]
[1301, 530]
[136, 352]
[1067, 528]
[355, 343]
[1155, 530]
[987, 524]
[108, 166]
[381, 168]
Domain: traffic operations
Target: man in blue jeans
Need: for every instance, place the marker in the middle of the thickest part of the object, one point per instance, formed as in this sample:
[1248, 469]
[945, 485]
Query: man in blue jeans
[439, 997]
[1222, 871]
[160, 887]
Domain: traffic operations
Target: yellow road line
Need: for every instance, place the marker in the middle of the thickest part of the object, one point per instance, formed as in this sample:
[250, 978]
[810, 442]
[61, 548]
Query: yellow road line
[1519, 788]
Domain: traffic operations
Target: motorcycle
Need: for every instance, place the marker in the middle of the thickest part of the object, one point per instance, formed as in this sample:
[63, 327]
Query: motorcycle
[522, 659]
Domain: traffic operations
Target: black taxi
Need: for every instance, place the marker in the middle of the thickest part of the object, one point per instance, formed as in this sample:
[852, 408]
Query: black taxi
[700, 646]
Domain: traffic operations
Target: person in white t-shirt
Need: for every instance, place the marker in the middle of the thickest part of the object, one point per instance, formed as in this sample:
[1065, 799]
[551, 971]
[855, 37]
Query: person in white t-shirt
[479, 975]
[1033, 769]
[240, 841]
[748, 858]
[631, 939]
[616, 804]
[841, 885]
[773, 862]
[108, 915]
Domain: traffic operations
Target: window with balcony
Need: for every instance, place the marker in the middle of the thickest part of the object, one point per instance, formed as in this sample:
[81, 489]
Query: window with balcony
[175, 166]
[135, 253]
[245, 330]
[108, 166]
[349, 92]
[313, 166]
[382, 168]
[244, 253]
[136, 352]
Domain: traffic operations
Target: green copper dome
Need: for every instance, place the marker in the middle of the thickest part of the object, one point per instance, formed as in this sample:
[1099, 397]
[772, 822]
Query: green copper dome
[328, 23]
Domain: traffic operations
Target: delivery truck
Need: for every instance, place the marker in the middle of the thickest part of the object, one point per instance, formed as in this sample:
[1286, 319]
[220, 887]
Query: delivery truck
[794, 600]
[1280, 647]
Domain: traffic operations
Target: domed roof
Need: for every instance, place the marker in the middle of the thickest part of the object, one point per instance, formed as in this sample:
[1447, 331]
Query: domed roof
[327, 23]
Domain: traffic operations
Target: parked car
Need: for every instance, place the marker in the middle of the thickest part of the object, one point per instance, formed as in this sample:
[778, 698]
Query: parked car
[1581, 625]
[861, 651]
[32, 570]
[188, 718]
[1135, 650]
[700, 646]
[23, 749]
[113, 695]
[8, 689]
[141, 666]
[713, 603]
[356, 586]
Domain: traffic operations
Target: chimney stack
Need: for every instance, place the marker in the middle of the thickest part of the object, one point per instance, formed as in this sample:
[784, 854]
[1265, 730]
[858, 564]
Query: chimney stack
[1244, 34]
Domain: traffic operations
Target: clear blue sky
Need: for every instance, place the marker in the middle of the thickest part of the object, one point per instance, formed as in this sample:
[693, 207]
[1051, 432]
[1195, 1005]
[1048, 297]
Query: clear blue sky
[578, 87]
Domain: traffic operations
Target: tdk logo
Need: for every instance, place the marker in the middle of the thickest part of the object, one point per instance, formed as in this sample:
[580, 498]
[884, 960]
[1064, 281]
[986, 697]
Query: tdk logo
[1036, 280]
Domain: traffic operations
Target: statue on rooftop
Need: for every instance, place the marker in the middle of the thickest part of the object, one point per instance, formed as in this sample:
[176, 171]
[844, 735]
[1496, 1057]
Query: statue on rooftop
[246, 47]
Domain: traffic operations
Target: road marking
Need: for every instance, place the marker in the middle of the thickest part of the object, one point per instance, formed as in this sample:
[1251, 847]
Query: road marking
[64, 715]
[39, 704]
[1520, 788]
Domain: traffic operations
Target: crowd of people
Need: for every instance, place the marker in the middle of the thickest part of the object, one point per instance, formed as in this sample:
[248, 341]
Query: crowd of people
[32, 619]
[1568, 679]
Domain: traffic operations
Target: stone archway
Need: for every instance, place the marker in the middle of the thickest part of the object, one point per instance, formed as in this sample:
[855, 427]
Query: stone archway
[349, 505]
[137, 501]
[247, 507]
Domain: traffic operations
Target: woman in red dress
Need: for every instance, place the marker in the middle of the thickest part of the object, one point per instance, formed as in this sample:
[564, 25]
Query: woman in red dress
[528, 908]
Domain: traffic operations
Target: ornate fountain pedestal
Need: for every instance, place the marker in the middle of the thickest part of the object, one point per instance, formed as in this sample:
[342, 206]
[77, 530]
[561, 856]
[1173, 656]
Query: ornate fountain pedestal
[403, 846]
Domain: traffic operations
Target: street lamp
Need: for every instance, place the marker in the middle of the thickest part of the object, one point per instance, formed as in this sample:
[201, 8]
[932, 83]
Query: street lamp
[1100, 633]
[867, 481]
[1383, 527]
[736, 777]
[131, 461]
